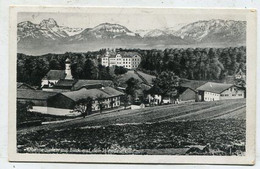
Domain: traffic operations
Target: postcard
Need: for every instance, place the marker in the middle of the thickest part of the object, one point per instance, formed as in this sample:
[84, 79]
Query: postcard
[132, 85]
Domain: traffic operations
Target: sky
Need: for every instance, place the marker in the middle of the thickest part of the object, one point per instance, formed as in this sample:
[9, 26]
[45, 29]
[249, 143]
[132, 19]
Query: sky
[133, 20]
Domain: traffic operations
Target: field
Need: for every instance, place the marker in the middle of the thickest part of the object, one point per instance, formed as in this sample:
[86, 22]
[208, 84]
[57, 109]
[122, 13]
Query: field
[213, 128]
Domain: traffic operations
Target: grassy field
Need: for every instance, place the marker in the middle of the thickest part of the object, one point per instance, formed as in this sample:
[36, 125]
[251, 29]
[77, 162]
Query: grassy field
[169, 129]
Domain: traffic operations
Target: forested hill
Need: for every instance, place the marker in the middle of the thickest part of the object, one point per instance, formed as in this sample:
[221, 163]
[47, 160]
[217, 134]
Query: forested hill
[197, 64]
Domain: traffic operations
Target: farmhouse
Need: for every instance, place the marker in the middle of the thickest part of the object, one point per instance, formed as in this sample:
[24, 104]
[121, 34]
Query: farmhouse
[219, 91]
[68, 100]
[37, 97]
[154, 96]
[182, 94]
[129, 60]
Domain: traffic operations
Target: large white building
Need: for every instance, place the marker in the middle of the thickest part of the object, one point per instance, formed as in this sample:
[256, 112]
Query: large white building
[129, 60]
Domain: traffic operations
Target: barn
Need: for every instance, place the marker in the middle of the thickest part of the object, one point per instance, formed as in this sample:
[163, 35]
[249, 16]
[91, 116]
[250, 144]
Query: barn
[68, 100]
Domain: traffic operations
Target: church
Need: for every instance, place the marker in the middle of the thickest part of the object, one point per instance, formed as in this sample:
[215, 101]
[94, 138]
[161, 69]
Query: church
[62, 81]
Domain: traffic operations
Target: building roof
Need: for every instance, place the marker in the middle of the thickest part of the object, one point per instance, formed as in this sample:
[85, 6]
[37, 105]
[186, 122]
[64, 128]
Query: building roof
[34, 94]
[55, 75]
[111, 91]
[85, 83]
[181, 89]
[192, 84]
[20, 84]
[129, 54]
[85, 93]
[215, 87]
[65, 83]
[123, 54]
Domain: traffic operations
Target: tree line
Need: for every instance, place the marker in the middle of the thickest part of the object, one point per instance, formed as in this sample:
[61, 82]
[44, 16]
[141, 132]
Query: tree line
[194, 64]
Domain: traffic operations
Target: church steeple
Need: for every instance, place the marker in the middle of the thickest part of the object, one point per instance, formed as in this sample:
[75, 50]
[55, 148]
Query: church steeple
[68, 69]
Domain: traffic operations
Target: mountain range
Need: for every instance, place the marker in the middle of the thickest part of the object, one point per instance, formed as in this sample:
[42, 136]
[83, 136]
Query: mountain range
[49, 37]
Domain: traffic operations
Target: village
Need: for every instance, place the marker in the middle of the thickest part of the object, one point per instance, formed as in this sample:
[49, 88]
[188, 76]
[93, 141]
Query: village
[62, 94]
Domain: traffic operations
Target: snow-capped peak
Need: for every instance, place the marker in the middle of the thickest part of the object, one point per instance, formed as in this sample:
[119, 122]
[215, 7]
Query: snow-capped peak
[48, 23]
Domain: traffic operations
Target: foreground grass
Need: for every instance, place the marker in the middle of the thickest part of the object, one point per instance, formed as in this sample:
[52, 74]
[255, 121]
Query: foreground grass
[221, 134]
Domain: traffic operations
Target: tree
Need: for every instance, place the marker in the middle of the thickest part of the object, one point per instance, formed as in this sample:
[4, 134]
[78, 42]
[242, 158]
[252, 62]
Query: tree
[132, 86]
[54, 64]
[84, 106]
[125, 100]
[166, 82]
[119, 70]
[90, 70]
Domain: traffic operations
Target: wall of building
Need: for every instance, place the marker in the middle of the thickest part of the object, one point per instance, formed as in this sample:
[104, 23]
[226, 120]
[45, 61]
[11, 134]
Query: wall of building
[126, 62]
[46, 82]
[232, 93]
[210, 96]
[61, 101]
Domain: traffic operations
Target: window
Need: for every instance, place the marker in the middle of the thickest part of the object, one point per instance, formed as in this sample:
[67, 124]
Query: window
[226, 94]
[233, 94]
[239, 94]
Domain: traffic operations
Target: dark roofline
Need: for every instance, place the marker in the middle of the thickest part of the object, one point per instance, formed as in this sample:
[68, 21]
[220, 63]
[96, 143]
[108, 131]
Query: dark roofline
[21, 83]
[63, 95]
[224, 89]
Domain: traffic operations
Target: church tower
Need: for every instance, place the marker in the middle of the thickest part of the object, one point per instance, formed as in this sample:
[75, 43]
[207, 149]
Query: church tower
[68, 69]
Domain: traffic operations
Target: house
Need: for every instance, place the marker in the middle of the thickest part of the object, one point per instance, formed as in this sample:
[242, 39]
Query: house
[154, 96]
[129, 60]
[24, 86]
[53, 76]
[68, 100]
[37, 97]
[211, 91]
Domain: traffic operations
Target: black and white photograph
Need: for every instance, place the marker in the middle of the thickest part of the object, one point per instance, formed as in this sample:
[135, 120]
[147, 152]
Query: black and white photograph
[133, 82]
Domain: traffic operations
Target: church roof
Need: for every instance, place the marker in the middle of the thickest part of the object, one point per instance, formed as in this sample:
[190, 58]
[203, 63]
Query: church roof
[55, 75]
[67, 60]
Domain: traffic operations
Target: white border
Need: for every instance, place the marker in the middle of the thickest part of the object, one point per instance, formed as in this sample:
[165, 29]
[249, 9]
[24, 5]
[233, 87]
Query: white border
[157, 159]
